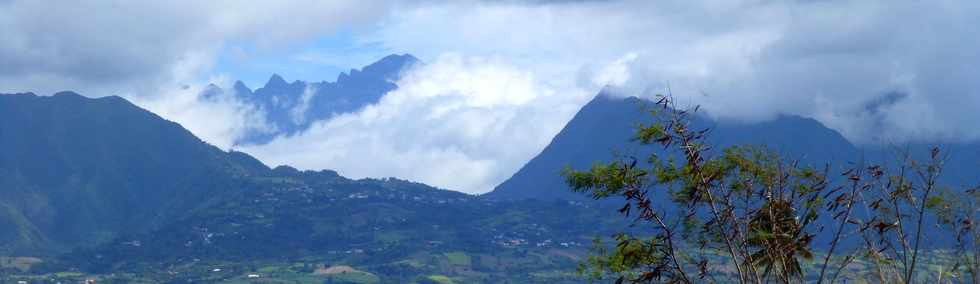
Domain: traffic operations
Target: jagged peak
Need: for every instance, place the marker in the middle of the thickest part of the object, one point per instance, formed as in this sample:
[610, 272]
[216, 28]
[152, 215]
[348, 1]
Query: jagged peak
[240, 87]
[393, 62]
[396, 58]
[389, 63]
[275, 81]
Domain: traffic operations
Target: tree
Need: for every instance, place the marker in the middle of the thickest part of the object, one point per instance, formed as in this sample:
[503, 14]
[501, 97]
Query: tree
[744, 209]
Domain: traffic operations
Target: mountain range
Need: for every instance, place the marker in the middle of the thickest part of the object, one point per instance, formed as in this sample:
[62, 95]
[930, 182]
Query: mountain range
[605, 127]
[104, 187]
[291, 107]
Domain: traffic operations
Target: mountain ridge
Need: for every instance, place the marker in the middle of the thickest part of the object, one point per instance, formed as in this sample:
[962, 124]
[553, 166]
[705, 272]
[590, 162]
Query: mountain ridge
[77, 167]
[102, 186]
[607, 124]
[293, 106]
[604, 128]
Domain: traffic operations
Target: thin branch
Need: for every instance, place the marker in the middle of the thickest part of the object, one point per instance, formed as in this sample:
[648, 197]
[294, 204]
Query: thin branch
[840, 229]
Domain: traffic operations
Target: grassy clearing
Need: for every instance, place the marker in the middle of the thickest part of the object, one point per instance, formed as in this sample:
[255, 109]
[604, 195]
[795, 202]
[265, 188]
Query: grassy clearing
[441, 279]
[459, 258]
[358, 277]
[18, 262]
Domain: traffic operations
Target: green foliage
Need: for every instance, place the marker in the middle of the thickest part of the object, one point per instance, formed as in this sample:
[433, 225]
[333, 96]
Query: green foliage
[628, 254]
[763, 213]
[605, 180]
[745, 201]
[778, 237]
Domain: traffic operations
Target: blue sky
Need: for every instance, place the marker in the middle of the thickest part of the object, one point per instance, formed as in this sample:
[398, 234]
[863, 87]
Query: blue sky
[502, 77]
[320, 59]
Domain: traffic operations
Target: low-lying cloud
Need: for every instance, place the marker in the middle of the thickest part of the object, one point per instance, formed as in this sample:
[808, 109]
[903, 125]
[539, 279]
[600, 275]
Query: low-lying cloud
[504, 76]
[743, 60]
[462, 123]
[220, 118]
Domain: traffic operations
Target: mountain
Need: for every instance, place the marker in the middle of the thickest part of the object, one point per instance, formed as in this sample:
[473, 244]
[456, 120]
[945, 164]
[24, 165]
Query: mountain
[604, 127]
[106, 190]
[293, 106]
[75, 170]
[394, 229]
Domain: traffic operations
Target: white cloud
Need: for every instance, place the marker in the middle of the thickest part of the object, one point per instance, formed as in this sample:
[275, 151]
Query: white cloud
[467, 121]
[219, 119]
[617, 73]
[298, 112]
[741, 60]
[145, 51]
[126, 47]
[463, 123]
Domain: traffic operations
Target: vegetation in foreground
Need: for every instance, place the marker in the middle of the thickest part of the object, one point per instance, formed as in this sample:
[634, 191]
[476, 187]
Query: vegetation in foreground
[741, 215]
[744, 215]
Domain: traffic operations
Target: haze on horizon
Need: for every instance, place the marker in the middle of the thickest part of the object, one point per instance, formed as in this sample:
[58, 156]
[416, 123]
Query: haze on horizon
[500, 79]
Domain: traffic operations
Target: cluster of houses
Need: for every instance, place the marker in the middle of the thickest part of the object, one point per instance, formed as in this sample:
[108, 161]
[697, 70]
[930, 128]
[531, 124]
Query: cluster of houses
[307, 191]
[505, 241]
[350, 251]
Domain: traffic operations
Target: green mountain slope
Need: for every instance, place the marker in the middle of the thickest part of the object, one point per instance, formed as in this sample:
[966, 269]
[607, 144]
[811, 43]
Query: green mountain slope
[394, 229]
[606, 125]
[75, 171]
[100, 186]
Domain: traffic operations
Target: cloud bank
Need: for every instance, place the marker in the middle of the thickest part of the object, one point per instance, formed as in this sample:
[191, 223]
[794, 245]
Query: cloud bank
[742, 60]
[118, 47]
[463, 123]
[160, 55]
[219, 118]
[504, 76]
